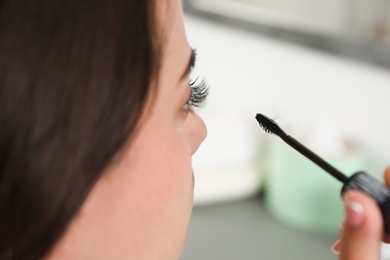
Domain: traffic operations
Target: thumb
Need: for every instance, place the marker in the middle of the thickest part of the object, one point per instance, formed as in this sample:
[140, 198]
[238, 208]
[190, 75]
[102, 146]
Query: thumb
[363, 229]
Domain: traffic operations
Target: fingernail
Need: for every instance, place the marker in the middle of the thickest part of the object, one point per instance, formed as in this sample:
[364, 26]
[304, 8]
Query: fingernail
[354, 214]
[336, 247]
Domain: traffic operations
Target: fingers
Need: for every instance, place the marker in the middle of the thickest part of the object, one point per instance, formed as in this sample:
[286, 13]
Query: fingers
[363, 229]
[386, 239]
[387, 176]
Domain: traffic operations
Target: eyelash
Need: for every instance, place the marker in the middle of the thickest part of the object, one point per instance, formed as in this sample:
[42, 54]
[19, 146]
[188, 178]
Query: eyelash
[199, 92]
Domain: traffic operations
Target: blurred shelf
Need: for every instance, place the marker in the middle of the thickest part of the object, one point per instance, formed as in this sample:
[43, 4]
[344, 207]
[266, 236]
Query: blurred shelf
[291, 29]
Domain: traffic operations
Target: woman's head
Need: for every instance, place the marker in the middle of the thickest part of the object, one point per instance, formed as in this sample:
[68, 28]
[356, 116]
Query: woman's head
[96, 140]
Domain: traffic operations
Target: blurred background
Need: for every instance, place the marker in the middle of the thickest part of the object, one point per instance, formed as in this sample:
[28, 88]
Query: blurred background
[321, 70]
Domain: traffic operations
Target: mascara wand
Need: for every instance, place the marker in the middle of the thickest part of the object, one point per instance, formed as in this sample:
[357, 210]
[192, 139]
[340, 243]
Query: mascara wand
[360, 181]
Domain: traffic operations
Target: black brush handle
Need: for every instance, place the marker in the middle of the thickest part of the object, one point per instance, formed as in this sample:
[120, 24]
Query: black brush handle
[314, 158]
[361, 181]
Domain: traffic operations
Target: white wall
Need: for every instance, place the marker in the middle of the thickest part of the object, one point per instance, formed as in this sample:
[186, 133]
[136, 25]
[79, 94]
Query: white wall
[297, 86]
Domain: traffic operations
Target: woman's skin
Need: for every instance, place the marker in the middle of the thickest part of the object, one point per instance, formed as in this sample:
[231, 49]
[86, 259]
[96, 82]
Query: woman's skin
[141, 207]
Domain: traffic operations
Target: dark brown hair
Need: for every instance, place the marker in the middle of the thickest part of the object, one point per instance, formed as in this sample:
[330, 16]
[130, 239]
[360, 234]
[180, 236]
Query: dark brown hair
[74, 79]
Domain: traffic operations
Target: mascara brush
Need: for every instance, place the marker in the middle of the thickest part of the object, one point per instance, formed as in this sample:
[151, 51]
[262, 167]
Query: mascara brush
[359, 181]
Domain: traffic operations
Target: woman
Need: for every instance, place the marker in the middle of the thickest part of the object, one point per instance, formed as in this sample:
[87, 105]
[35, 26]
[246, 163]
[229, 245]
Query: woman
[97, 132]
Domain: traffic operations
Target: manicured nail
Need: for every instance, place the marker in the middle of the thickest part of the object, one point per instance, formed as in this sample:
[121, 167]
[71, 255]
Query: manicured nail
[336, 247]
[354, 214]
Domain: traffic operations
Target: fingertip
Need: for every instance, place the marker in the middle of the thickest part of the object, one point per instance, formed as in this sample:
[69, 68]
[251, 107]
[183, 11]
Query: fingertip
[336, 248]
[387, 175]
[386, 239]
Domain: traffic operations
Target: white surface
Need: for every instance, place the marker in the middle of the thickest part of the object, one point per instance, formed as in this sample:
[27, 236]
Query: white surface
[385, 252]
[295, 85]
[324, 138]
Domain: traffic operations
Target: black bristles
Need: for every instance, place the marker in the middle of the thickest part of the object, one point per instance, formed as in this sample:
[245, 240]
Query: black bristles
[269, 125]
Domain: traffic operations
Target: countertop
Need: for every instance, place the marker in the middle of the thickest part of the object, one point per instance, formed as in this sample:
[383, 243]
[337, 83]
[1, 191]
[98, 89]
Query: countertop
[244, 230]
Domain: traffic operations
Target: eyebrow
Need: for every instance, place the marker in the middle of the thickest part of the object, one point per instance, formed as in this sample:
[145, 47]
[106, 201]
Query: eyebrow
[191, 64]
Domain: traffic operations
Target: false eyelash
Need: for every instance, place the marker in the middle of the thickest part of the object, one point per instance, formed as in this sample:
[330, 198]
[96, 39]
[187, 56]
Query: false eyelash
[199, 92]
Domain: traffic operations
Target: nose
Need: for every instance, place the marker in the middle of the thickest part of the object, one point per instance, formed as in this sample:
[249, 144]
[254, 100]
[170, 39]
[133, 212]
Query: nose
[196, 130]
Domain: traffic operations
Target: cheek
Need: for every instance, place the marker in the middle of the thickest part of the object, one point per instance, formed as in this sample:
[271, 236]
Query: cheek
[165, 166]
[160, 183]
[175, 171]
[172, 190]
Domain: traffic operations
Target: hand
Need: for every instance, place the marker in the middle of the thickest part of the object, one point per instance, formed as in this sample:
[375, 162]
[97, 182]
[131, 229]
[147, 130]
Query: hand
[362, 230]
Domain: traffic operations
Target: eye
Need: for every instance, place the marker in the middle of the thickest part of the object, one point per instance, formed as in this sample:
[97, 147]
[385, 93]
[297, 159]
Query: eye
[199, 92]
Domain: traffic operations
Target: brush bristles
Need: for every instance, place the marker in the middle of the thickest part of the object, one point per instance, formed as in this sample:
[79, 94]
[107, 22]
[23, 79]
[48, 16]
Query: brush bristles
[269, 125]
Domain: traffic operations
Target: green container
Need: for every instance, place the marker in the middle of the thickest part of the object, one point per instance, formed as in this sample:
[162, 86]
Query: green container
[301, 194]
